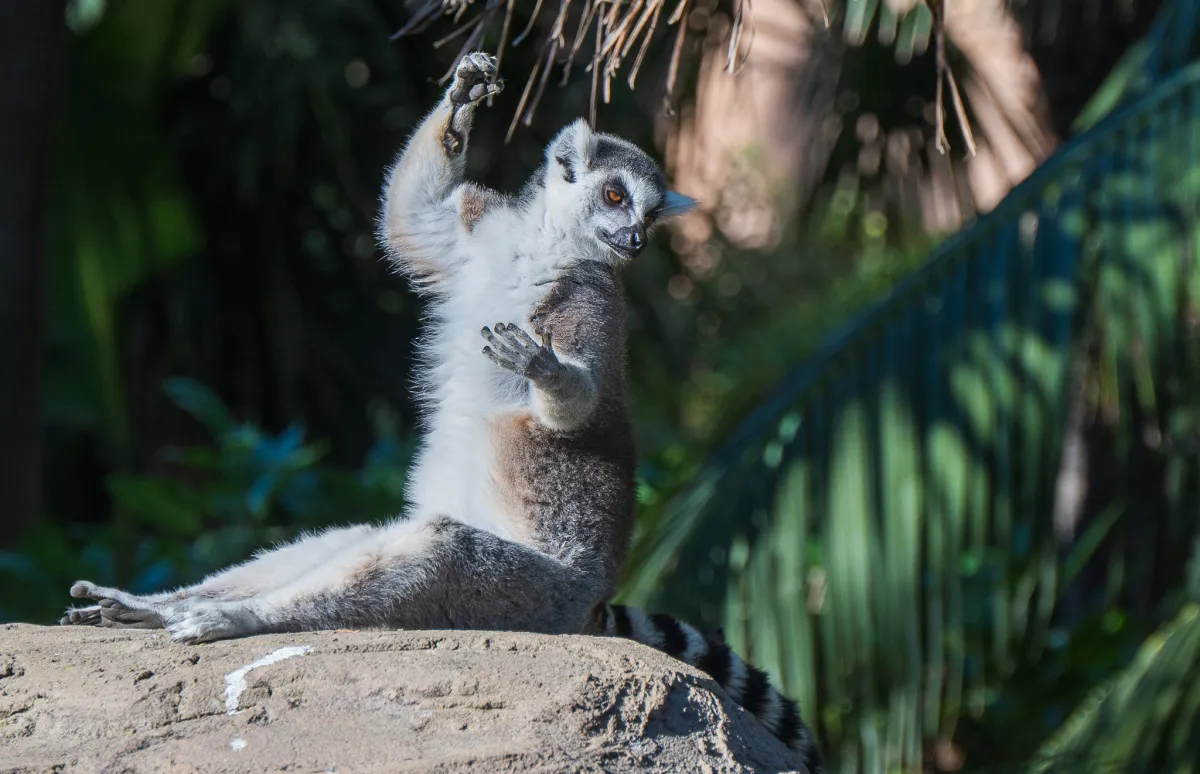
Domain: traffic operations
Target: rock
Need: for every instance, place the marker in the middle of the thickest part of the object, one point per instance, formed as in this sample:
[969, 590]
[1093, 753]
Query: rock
[87, 699]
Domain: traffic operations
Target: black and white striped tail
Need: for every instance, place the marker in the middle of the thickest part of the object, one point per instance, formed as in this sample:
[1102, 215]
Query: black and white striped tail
[745, 684]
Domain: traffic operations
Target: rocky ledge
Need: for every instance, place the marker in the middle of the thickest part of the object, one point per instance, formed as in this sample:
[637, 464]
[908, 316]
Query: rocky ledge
[84, 699]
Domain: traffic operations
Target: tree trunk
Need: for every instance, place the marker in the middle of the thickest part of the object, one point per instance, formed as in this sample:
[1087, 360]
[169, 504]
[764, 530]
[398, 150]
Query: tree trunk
[31, 36]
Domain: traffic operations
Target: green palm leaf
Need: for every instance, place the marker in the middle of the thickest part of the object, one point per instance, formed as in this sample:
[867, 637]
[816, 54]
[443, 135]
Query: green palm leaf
[1145, 718]
[882, 534]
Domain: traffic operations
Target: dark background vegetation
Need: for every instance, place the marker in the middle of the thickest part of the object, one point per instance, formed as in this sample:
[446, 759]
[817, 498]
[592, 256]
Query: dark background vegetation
[202, 352]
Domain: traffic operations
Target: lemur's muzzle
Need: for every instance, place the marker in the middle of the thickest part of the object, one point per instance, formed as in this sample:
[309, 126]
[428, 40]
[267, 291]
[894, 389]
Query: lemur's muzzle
[628, 242]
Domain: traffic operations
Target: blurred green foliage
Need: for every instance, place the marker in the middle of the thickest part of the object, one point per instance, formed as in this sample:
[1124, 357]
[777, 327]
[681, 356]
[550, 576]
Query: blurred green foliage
[874, 526]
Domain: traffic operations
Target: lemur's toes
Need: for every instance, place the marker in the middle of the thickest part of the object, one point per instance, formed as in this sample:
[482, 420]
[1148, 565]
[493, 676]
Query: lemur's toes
[81, 616]
[84, 590]
[103, 594]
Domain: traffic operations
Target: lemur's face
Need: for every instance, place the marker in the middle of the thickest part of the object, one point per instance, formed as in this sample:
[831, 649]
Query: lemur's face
[624, 208]
[618, 191]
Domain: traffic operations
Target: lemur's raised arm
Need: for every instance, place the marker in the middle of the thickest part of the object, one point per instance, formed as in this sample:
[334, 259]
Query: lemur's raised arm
[426, 202]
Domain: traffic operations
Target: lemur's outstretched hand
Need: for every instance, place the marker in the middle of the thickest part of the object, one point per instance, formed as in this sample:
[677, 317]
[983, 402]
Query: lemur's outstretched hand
[474, 80]
[515, 350]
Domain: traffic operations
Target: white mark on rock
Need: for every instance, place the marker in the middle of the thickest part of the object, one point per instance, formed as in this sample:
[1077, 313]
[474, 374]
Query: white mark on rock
[237, 744]
[235, 681]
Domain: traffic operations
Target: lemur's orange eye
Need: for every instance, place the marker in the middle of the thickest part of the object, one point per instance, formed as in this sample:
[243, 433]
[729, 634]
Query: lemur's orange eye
[650, 217]
[614, 197]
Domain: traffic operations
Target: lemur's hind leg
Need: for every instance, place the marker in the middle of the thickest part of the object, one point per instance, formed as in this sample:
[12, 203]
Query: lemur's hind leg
[265, 571]
[428, 574]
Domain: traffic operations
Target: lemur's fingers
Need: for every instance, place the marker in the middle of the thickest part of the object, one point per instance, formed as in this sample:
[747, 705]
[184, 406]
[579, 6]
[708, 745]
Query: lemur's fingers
[498, 345]
[503, 362]
[481, 90]
[492, 341]
[475, 79]
[518, 333]
[478, 61]
[509, 335]
[547, 342]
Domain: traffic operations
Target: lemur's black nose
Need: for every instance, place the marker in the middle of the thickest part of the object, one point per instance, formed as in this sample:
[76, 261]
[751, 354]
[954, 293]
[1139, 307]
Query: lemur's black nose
[628, 241]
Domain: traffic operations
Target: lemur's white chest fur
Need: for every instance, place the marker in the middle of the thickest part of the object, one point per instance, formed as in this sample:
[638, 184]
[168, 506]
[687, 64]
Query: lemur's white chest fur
[463, 391]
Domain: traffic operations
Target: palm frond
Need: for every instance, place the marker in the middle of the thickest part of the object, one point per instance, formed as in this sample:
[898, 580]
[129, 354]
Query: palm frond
[617, 29]
[881, 534]
[1143, 719]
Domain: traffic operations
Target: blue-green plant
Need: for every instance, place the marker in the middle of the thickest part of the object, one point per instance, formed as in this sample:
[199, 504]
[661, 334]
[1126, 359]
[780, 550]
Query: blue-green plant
[218, 502]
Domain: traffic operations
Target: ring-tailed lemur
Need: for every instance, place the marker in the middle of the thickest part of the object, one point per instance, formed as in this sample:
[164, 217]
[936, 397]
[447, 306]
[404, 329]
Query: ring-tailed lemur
[521, 499]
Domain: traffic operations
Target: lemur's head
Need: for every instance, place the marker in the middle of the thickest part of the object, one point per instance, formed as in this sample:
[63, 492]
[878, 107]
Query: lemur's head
[607, 189]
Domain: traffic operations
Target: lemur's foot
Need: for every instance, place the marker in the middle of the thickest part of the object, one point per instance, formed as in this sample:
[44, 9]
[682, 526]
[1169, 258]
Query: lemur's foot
[475, 79]
[116, 609]
[513, 349]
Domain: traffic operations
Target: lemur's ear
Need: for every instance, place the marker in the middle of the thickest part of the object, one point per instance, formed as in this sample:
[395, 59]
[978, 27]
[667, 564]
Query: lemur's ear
[572, 151]
[675, 203]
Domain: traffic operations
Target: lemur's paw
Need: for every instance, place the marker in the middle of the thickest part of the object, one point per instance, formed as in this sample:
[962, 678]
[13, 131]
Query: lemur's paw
[81, 616]
[475, 79]
[513, 349]
[87, 590]
[119, 615]
[114, 609]
[205, 624]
